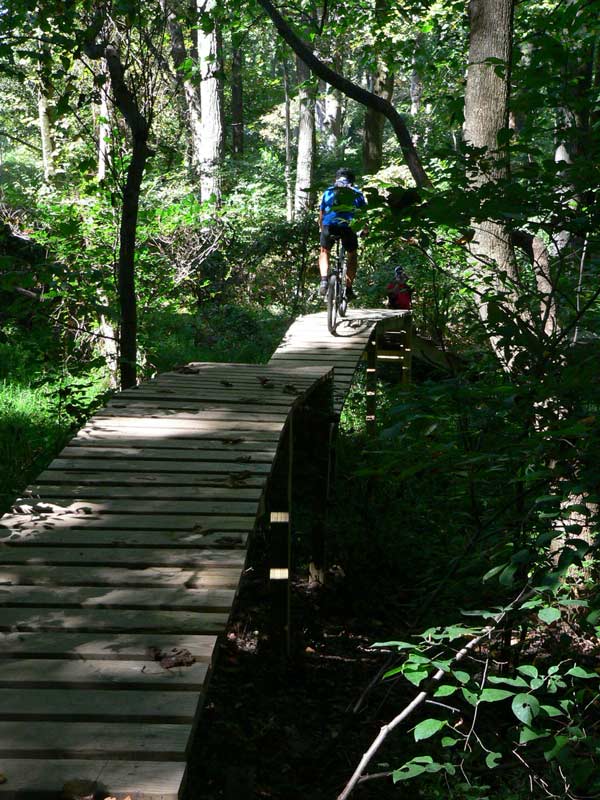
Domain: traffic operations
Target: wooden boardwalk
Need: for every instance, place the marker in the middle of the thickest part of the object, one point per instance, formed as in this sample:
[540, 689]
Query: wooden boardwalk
[119, 567]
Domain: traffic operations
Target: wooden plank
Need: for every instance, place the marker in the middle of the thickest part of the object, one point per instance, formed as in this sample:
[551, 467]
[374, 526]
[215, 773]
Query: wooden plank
[90, 597]
[221, 426]
[223, 395]
[211, 410]
[47, 778]
[143, 465]
[12, 525]
[157, 479]
[229, 446]
[82, 537]
[79, 537]
[175, 506]
[99, 647]
[41, 673]
[93, 705]
[140, 557]
[134, 492]
[141, 492]
[172, 416]
[111, 621]
[175, 437]
[196, 454]
[25, 575]
[93, 740]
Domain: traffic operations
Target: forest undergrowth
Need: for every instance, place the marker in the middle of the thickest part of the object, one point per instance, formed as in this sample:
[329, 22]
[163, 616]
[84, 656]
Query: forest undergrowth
[407, 562]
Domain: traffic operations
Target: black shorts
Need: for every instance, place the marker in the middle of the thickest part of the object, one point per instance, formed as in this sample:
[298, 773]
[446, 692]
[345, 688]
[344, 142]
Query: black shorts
[329, 233]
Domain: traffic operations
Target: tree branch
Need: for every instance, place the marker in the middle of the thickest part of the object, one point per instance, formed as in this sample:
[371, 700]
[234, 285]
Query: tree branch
[21, 141]
[352, 90]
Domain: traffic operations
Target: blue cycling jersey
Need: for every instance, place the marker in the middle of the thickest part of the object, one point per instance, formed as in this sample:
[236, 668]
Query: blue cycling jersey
[340, 203]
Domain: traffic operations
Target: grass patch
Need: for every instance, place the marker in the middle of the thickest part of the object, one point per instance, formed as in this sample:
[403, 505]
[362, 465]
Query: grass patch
[31, 431]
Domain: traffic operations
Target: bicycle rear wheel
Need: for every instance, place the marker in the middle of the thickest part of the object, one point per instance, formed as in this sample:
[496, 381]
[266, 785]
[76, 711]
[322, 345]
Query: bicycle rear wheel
[332, 303]
[342, 268]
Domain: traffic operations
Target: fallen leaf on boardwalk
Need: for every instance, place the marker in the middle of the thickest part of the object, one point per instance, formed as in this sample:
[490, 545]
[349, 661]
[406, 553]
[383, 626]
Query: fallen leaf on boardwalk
[265, 382]
[241, 476]
[289, 388]
[79, 790]
[198, 528]
[228, 384]
[234, 481]
[228, 540]
[243, 459]
[175, 658]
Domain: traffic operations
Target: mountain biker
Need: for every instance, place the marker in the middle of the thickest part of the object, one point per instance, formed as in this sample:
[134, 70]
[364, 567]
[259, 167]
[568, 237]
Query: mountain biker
[398, 291]
[339, 204]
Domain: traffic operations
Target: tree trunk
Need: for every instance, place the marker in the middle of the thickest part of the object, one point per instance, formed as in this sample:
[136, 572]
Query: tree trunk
[486, 114]
[289, 184]
[416, 91]
[334, 108]
[104, 124]
[211, 94]
[237, 98]
[127, 104]
[372, 147]
[191, 92]
[304, 191]
[46, 131]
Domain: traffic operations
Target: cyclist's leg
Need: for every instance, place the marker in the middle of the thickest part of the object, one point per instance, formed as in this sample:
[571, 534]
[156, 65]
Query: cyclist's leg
[326, 244]
[350, 241]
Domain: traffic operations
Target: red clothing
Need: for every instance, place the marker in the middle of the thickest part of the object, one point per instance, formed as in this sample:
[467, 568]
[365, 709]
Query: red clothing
[399, 295]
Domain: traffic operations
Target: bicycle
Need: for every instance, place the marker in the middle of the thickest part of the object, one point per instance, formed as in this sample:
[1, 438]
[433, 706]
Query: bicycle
[337, 302]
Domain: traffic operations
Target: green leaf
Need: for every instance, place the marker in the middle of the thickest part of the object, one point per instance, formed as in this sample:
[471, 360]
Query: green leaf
[552, 711]
[428, 728]
[445, 691]
[493, 695]
[549, 615]
[449, 741]
[579, 672]
[529, 670]
[525, 707]
[491, 572]
[559, 743]
[518, 682]
[492, 760]
[415, 676]
[461, 677]
[531, 734]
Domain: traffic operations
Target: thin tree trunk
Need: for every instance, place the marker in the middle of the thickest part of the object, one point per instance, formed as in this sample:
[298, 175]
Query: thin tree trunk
[237, 98]
[138, 126]
[211, 94]
[104, 125]
[289, 184]
[304, 191]
[416, 91]
[46, 136]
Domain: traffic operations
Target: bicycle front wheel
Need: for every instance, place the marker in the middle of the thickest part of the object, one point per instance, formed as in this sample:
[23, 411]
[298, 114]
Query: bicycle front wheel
[332, 303]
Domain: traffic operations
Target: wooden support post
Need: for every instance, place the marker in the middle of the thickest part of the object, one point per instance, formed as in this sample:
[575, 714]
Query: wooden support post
[407, 350]
[280, 543]
[372, 385]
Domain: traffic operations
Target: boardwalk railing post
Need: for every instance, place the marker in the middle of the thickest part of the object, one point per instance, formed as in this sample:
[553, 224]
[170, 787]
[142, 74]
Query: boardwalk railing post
[372, 384]
[407, 349]
[280, 542]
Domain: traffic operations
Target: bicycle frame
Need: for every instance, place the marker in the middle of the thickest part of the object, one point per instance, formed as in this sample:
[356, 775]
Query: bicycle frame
[336, 289]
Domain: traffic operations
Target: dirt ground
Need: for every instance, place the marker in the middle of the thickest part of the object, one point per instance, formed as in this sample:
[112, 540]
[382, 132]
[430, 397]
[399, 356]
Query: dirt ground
[285, 728]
